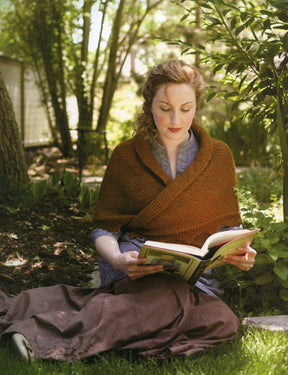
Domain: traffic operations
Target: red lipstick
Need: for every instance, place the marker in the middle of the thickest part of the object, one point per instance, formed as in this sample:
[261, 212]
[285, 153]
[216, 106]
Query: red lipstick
[174, 130]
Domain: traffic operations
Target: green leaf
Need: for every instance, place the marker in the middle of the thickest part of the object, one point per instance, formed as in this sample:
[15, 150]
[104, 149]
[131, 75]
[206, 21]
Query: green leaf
[199, 46]
[273, 239]
[285, 42]
[56, 178]
[217, 68]
[279, 227]
[284, 283]
[242, 81]
[283, 294]
[281, 271]
[265, 278]
[282, 253]
[233, 23]
[283, 17]
[273, 255]
[243, 16]
[205, 5]
[239, 29]
[39, 189]
[263, 259]
[230, 94]
[185, 17]
[211, 96]
[214, 20]
[84, 197]
[71, 183]
[267, 24]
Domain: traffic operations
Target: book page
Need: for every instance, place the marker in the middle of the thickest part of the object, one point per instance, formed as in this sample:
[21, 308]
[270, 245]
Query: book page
[186, 249]
[215, 239]
[173, 262]
[221, 237]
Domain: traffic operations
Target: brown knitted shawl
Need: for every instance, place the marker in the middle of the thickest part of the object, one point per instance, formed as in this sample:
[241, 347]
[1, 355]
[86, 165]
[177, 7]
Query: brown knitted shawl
[138, 196]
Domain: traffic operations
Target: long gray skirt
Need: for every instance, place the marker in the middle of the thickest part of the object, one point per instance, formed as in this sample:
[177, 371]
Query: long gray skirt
[157, 316]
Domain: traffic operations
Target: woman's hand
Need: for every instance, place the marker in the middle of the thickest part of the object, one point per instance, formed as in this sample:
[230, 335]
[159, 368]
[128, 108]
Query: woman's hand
[128, 263]
[108, 249]
[244, 260]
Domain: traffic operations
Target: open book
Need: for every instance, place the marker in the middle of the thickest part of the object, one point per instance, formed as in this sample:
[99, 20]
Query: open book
[189, 262]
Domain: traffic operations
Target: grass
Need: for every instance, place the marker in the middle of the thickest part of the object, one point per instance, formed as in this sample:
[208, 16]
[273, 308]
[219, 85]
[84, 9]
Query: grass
[253, 352]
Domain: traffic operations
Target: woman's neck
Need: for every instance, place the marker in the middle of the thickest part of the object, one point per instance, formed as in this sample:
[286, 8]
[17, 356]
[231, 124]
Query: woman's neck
[172, 144]
[172, 151]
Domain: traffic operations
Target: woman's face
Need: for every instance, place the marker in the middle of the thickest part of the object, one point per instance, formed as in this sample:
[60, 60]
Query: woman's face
[173, 109]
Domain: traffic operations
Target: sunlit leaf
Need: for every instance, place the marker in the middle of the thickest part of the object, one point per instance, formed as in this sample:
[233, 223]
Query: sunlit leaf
[281, 271]
[214, 20]
[211, 96]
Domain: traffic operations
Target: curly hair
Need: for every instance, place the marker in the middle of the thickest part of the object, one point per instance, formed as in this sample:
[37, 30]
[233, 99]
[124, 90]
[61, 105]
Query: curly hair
[172, 71]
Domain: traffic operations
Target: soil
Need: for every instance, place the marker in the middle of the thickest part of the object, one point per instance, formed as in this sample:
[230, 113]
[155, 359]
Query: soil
[49, 243]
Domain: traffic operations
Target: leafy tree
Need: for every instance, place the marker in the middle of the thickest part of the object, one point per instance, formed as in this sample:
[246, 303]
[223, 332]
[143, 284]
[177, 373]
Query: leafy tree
[54, 36]
[39, 41]
[12, 161]
[121, 44]
[248, 48]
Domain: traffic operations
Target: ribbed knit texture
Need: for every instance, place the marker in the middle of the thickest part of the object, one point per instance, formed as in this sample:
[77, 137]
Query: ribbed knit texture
[139, 197]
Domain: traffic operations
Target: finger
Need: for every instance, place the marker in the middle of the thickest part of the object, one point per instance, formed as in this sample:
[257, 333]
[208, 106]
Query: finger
[242, 262]
[136, 272]
[247, 250]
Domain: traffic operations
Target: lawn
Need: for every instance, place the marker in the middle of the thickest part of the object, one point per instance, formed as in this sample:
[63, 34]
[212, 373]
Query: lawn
[253, 352]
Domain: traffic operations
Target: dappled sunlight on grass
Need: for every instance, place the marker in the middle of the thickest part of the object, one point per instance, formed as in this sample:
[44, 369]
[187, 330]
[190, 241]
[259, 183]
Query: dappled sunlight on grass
[253, 352]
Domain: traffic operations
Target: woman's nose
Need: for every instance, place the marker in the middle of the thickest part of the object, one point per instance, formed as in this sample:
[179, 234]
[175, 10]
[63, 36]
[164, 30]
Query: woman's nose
[175, 118]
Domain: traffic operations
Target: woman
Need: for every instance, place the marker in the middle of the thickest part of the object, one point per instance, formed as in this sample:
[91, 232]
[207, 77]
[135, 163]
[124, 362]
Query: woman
[173, 183]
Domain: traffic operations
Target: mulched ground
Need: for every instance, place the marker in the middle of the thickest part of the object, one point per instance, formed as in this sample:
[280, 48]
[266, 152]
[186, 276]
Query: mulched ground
[50, 242]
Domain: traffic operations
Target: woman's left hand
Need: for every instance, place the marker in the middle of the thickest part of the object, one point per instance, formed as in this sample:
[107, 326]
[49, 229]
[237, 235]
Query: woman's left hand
[244, 260]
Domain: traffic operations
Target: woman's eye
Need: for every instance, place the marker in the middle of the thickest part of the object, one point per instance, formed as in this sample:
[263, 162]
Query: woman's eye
[185, 109]
[165, 109]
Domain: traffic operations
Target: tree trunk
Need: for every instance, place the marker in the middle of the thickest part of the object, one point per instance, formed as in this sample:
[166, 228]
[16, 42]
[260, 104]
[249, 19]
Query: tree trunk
[110, 80]
[85, 106]
[12, 161]
[282, 124]
[55, 78]
[112, 75]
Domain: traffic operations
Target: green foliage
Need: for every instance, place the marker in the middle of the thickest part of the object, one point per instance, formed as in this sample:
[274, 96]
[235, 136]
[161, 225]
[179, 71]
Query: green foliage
[39, 190]
[264, 288]
[14, 196]
[88, 197]
[247, 49]
[263, 184]
[75, 47]
[249, 141]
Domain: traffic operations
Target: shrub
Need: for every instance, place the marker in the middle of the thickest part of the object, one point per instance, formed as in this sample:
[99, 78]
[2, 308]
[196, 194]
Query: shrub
[264, 184]
[264, 288]
[14, 196]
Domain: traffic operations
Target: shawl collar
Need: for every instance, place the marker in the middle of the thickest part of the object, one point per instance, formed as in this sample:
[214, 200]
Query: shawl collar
[176, 186]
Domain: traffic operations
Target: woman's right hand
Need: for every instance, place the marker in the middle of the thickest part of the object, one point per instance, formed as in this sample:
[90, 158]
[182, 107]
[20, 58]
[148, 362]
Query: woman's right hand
[130, 264]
